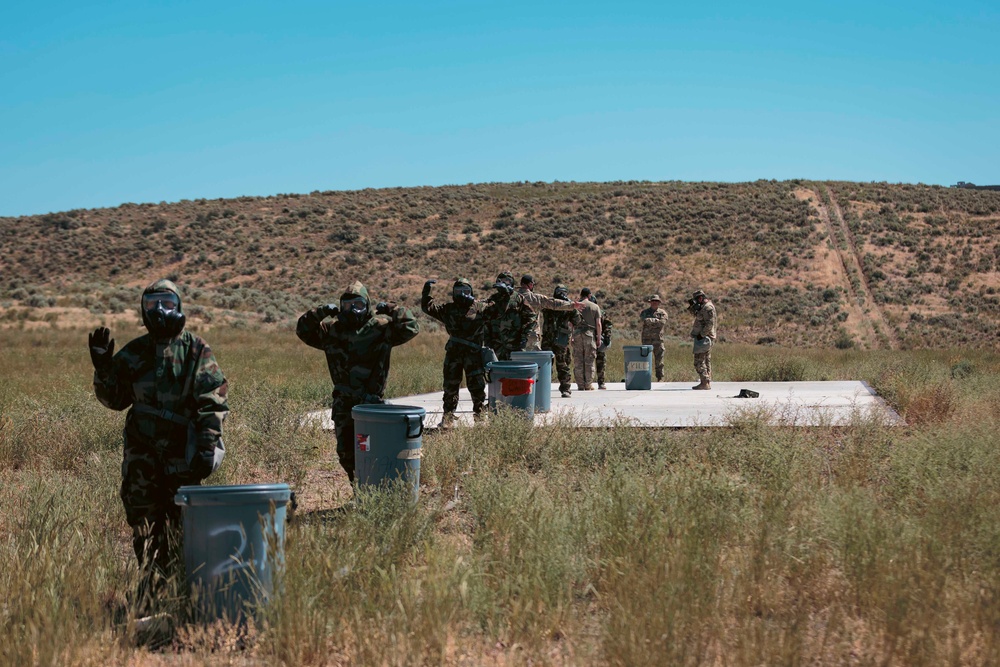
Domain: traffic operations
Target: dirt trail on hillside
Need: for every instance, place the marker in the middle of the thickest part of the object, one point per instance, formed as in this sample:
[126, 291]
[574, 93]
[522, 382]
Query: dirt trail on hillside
[849, 264]
[875, 314]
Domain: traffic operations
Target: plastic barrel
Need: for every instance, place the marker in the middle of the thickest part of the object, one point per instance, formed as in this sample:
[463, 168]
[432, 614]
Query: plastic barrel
[234, 541]
[638, 366]
[387, 444]
[512, 383]
[543, 382]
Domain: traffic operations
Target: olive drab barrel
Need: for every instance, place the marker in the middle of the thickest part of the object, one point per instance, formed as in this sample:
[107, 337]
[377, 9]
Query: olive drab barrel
[512, 383]
[543, 383]
[387, 444]
[638, 366]
[234, 539]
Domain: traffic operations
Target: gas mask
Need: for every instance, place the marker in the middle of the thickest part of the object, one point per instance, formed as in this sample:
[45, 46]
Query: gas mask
[462, 295]
[161, 313]
[561, 293]
[695, 304]
[504, 284]
[354, 312]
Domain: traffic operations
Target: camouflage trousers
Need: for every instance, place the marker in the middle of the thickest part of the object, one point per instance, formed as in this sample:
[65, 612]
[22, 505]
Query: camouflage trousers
[563, 362]
[584, 359]
[343, 426]
[459, 359]
[703, 365]
[147, 493]
[601, 361]
[657, 356]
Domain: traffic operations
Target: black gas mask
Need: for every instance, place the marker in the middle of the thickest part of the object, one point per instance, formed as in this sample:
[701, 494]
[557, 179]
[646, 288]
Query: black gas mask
[161, 313]
[504, 284]
[462, 294]
[561, 293]
[695, 304]
[354, 312]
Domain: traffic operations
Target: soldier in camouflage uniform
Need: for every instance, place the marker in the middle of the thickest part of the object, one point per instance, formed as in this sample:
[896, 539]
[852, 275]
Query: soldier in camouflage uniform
[586, 338]
[703, 332]
[357, 343]
[173, 431]
[652, 321]
[537, 303]
[465, 320]
[556, 333]
[602, 349]
[511, 319]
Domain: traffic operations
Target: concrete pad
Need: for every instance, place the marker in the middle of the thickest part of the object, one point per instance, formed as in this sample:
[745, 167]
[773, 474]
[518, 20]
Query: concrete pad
[676, 405]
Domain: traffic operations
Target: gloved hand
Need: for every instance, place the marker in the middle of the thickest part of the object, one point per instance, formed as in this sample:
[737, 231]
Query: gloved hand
[330, 310]
[606, 340]
[383, 308]
[102, 347]
[427, 286]
[201, 465]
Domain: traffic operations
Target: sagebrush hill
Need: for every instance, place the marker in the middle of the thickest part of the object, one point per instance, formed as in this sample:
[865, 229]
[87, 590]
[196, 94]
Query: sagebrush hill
[795, 263]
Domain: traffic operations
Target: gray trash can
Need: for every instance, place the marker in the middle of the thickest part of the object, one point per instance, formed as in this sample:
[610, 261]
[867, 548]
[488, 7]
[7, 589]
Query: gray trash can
[543, 383]
[638, 366]
[512, 383]
[234, 541]
[387, 444]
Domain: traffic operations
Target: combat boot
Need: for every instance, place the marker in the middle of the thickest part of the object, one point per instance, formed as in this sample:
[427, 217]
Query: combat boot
[704, 384]
[565, 394]
[600, 385]
[448, 420]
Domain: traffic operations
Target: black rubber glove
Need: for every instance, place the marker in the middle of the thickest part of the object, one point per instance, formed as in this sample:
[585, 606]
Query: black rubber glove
[330, 310]
[382, 308]
[102, 347]
[201, 465]
[427, 286]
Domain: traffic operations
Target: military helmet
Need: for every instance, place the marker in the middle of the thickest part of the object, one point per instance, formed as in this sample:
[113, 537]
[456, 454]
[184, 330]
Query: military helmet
[699, 293]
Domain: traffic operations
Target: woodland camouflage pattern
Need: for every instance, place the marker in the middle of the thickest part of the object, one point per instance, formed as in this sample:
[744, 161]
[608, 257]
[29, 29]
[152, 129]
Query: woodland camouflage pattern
[602, 349]
[181, 375]
[539, 302]
[510, 323]
[463, 324]
[652, 322]
[358, 359]
[557, 330]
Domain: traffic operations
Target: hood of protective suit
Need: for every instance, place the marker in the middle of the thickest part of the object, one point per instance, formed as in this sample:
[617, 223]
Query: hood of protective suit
[163, 325]
[355, 290]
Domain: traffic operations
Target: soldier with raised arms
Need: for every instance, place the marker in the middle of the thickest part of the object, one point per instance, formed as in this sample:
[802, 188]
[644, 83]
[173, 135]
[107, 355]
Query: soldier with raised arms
[358, 340]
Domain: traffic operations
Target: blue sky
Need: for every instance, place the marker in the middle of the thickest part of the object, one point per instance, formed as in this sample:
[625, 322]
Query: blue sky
[110, 102]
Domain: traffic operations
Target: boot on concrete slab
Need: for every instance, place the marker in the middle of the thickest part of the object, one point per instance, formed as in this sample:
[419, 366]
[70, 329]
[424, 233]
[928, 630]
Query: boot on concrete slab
[704, 384]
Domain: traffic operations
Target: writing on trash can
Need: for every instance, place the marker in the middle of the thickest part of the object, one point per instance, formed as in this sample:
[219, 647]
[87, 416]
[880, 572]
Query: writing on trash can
[238, 560]
[637, 366]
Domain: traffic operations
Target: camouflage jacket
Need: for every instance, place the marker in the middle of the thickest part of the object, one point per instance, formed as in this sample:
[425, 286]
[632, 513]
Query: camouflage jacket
[509, 322]
[606, 326]
[358, 359]
[704, 321]
[538, 302]
[180, 375]
[465, 323]
[652, 322]
[558, 328]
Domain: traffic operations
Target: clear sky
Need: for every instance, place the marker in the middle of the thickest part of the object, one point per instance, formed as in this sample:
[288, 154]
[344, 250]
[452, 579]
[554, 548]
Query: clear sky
[108, 102]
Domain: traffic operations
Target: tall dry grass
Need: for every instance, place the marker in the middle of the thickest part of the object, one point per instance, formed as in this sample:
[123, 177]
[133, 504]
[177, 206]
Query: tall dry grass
[746, 545]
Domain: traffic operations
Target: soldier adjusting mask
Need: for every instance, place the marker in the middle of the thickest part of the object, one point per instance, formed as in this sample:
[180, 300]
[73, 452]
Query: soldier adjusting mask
[354, 311]
[462, 294]
[161, 313]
